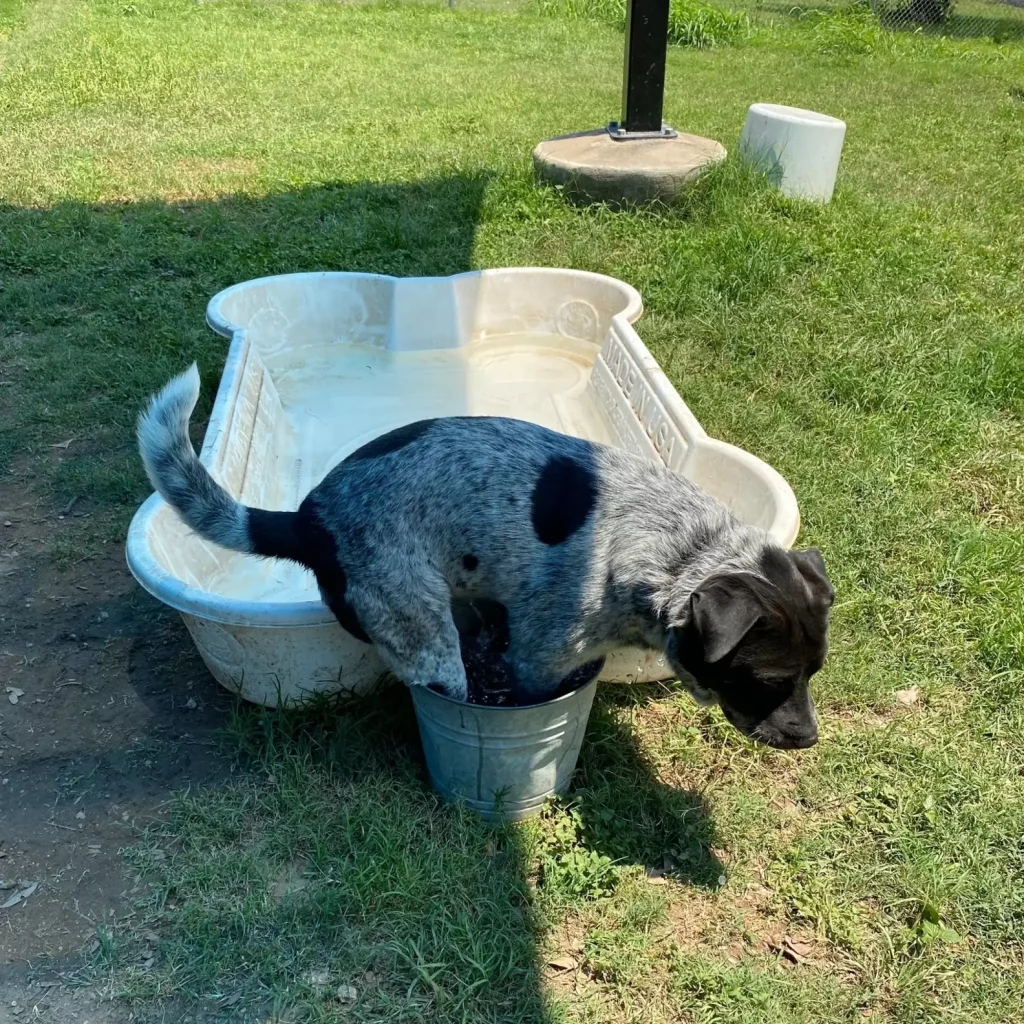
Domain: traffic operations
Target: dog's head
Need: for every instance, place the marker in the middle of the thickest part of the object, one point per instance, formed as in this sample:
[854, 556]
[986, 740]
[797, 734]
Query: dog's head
[750, 642]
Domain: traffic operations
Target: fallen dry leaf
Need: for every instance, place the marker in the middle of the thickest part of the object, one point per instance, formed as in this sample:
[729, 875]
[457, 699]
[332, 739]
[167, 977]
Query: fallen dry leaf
[908, 696]
[796, 951]
[14, 694]
[64, 444]
[347, 993]
[20, 896]
[801, 948]
[656, 876]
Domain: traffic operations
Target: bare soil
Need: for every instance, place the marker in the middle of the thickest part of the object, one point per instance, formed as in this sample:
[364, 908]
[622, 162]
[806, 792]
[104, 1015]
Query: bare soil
[114, 711]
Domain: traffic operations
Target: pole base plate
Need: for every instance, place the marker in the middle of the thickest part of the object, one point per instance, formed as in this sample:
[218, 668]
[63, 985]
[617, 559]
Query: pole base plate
[619, 134]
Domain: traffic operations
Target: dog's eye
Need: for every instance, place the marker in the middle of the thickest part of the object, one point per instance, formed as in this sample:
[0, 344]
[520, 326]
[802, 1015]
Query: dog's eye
[784, 684]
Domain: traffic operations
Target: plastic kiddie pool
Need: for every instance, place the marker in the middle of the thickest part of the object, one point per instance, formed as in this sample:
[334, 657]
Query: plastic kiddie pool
[321, 363]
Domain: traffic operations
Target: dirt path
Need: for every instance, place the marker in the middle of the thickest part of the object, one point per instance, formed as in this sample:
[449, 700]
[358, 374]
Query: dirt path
[105, 710]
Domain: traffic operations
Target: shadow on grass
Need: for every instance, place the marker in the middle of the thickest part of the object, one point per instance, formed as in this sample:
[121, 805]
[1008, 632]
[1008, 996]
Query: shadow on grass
[327, 875]
[103, 302]
[627, 813]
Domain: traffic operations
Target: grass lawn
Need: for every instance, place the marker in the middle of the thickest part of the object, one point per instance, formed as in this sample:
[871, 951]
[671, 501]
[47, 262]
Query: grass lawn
[154, 152]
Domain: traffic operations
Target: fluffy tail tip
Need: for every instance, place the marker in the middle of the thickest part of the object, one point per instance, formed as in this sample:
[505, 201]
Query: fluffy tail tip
[168, 413]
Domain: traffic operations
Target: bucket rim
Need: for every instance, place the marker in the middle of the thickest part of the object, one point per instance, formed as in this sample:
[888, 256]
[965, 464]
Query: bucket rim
[422, 692]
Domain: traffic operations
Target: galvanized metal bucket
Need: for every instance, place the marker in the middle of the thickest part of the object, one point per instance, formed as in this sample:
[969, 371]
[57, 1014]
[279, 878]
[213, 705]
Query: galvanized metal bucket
[502, 762]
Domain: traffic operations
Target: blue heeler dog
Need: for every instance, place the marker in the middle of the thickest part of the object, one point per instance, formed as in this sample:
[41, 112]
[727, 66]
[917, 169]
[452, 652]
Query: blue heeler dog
[587, 547]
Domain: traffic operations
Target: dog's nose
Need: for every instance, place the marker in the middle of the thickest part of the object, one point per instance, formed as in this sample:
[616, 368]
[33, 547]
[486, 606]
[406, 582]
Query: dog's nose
[803, 740]
[792, 740]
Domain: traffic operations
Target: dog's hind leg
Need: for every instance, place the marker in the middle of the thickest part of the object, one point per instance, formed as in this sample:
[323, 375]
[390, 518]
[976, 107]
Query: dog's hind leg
[438, 665]
[411, 626]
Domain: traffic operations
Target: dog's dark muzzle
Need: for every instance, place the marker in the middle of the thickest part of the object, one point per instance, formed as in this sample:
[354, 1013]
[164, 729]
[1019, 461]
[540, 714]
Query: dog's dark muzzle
[787, 734]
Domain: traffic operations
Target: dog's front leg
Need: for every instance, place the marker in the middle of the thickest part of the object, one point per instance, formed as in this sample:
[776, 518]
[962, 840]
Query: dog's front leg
[536, 678]
[537, 647]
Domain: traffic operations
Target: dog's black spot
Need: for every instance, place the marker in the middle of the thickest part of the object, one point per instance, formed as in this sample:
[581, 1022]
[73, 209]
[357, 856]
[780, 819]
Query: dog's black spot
[470, 562]
[392, 441]
[563, 498]
[320, 554]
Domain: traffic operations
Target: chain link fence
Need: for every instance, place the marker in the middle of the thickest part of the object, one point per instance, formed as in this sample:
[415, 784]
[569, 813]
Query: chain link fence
[1001, 20]
[713, 22]
[998, 20]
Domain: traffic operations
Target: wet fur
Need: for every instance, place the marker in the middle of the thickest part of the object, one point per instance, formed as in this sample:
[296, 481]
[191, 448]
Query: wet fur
[588, 548]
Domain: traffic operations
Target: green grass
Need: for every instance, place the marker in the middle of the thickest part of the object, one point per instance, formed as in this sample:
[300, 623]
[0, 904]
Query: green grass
[870, 350]
[10, 16]
[690, 22]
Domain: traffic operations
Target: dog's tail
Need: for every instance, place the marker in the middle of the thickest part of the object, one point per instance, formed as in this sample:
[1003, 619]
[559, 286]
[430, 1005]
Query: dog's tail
[175, 471]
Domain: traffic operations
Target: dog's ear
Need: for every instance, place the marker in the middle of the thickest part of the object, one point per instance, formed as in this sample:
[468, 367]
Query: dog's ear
[723, 612]
[811, 567]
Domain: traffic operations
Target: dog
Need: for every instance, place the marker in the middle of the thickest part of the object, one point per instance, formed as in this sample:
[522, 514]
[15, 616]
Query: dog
[587, 547]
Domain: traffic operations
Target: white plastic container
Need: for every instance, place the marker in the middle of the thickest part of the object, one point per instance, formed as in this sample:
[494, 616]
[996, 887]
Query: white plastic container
[799, 149]
[321, 363]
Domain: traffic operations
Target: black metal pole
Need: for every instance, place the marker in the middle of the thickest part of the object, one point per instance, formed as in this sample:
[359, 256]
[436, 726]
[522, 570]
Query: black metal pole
[643, 82]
